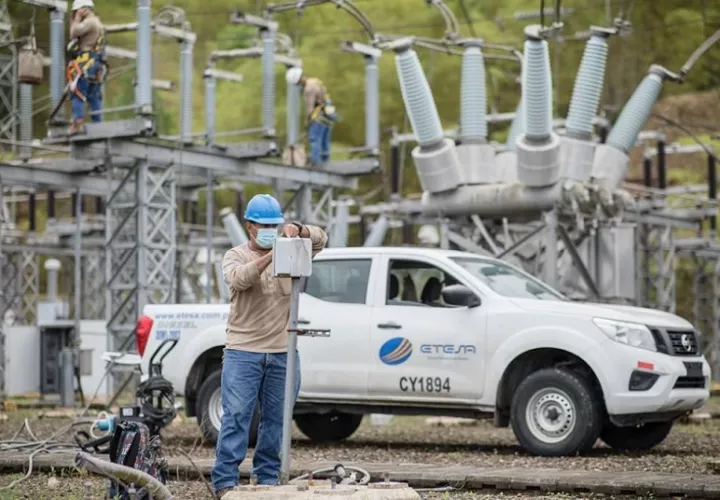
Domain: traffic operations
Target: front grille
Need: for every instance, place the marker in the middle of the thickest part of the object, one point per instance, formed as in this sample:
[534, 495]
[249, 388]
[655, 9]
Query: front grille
[683, 343]
[690, 383]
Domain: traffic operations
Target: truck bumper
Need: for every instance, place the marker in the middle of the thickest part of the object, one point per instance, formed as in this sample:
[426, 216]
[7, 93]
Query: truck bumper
[647, 383]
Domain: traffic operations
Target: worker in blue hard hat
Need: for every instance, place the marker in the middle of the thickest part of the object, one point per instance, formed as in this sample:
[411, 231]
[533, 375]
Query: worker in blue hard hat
[320, 114]
[255, 356]
[87, 66]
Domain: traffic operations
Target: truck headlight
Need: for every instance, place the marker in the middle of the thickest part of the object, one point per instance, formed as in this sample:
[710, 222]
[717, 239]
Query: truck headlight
[632, 334]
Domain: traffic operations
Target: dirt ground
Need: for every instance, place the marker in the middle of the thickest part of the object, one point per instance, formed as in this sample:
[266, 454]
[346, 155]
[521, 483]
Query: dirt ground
[687, 450]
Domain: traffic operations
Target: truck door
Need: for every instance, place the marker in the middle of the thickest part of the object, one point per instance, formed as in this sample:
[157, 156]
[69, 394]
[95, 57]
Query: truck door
[423, 349]
[336, 298]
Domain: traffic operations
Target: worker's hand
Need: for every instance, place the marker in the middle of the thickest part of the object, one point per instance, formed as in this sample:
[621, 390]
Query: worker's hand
[71, 45]
[290, 231]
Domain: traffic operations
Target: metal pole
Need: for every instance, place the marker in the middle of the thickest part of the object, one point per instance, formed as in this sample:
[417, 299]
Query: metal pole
[32, 212]
[268, 81]
[143, 90]
[293, 113]
[290, 381]
[78, 264]
[339, 233]
[209, 108]
[57, 58]
[68, 355]
[662, 168]
[395, 168]
[2, 301]
[50, 206]
[551, 253]
[67, 378]
[186, 74]
[372, 105]
[712, 192]
[303, 203]
[209, 208]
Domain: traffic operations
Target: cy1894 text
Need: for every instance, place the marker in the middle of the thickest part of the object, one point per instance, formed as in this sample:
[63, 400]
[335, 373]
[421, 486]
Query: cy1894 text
[424, 384]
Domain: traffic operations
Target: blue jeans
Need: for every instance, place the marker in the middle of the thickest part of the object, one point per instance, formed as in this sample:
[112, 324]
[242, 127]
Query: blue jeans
[319, 138]
[248, 377]
[93, 94]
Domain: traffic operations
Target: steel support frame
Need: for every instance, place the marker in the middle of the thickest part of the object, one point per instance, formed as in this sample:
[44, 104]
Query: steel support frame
[140, 248]
[8, 80]
[2, 297]
[706, 308]
[11, 274]
[29, 286]
[658, 259]
[93, 285]
[188, 289]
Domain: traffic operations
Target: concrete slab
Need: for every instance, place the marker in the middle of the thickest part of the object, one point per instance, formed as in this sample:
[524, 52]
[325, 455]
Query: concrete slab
[535, 480]
[581, 481]
[678, 486]
[376, 491]
[499, 479]
[711, 489]
[625, 483]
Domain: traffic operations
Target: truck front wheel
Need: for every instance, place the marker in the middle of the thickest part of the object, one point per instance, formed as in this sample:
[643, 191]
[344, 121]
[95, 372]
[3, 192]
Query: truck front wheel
[209, 411]
[555, 412]
[640, 438]
[328, 427]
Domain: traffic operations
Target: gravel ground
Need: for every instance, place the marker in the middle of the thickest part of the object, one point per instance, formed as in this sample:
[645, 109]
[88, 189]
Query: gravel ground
[405, 440]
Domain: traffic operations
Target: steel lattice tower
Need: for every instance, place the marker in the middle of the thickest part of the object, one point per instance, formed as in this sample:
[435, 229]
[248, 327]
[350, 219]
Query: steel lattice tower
[8, 77]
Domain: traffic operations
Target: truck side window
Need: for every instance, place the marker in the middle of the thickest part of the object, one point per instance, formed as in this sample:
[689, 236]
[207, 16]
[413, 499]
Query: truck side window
[344, 281]
[415, 283]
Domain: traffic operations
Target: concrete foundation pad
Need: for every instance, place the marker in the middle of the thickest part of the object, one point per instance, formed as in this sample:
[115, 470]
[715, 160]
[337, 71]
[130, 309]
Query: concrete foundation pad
[317, 491]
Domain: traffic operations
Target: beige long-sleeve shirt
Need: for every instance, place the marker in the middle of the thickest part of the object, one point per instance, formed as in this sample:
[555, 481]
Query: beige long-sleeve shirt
[259, 302]
[313, 94]
[88, 31]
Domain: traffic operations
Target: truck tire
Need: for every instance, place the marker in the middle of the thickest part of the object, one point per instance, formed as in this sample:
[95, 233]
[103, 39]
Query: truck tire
[555, 412]
[328, 427]
[640, 438]
[209, 411]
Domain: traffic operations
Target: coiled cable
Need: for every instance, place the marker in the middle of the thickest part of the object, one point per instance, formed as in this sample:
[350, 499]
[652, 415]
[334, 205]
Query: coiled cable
[157, 387]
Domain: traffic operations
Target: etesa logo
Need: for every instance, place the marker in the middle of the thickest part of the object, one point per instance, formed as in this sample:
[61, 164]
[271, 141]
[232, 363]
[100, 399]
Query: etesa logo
[395, 351]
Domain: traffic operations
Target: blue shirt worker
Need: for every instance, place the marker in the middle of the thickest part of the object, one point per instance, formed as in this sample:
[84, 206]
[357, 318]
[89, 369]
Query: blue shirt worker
[320, 114]
[255, 356]
[87, 39]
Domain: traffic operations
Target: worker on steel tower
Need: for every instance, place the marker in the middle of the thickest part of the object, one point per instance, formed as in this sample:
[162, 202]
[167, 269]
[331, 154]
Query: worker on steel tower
[319, 114]
[255, 356]
[87, 46]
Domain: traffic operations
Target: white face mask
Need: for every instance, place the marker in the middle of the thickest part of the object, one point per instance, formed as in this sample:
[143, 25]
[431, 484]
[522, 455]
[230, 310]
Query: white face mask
[266, 237]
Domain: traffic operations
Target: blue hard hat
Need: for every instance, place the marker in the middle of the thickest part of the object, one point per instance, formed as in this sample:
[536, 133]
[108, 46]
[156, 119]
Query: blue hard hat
[264, 209]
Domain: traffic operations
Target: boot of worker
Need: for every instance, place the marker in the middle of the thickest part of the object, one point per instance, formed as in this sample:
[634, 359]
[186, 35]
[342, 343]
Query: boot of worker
[77, 127]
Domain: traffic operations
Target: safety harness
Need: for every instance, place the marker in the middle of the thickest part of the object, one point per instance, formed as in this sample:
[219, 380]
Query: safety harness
[324, 111]
[90, 64]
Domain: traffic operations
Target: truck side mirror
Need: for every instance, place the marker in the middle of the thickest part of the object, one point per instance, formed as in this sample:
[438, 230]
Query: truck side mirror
[460, 295]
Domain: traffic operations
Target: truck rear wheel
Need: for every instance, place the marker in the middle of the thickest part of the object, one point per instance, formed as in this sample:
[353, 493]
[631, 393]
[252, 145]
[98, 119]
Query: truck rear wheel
[328, 427]
[555, 412]
[640, 438]
[209, 410]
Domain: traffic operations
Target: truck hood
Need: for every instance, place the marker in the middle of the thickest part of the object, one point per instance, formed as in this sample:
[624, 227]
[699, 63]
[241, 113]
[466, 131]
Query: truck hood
[650, 317]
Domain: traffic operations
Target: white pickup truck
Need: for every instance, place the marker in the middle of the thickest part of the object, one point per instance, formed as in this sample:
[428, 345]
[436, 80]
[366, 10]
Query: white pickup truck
[436, 332]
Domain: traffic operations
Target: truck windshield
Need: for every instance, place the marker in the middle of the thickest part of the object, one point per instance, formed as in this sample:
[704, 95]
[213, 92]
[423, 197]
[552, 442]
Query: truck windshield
[508, 280]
